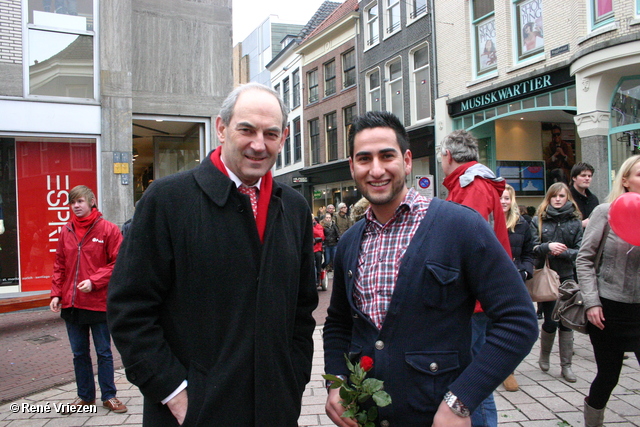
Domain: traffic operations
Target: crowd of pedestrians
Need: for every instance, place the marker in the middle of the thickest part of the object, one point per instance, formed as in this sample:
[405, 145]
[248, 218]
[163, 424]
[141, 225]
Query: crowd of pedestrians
[210, 302]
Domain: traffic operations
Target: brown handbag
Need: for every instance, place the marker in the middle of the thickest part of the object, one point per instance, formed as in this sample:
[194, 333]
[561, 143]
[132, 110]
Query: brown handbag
[544, 284]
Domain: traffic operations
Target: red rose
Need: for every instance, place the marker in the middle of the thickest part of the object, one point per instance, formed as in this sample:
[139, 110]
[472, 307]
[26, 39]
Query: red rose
[366, 363]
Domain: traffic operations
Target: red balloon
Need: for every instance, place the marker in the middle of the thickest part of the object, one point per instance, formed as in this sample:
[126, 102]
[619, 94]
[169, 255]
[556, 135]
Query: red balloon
[624, 217]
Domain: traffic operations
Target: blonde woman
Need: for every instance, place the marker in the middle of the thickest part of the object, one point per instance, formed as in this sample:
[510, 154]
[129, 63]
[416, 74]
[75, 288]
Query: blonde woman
[557, 235]
[521, 249]
[611, 293]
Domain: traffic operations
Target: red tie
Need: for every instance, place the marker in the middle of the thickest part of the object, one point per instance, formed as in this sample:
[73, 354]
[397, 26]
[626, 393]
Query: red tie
[252, 192]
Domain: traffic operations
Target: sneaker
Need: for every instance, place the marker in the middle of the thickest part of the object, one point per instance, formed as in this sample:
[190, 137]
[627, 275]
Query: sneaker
[67, 409]
[115, 405]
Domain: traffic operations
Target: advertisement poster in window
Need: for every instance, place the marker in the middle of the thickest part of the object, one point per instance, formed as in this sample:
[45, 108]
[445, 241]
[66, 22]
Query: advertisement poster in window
[46, 172]
[531, 28]
[8, 215]
[487, 54]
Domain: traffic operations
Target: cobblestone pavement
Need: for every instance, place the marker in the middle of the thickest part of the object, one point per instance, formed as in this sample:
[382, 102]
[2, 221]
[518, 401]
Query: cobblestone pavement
[544, 399]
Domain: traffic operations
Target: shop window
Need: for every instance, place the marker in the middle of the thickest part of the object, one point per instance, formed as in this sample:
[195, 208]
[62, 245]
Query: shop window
[484, 34]
[285, 92]
[394, 89]
[420, 86]
[297, 141]
[60, 48]
[312, 80]
[295, 93]
[330, 78]
[392, 17]
[372, 30]
[601, 12]
[331, 127]
[625, 121]
[349, 68]
[373, 91]
[314, 141]
[529, 28]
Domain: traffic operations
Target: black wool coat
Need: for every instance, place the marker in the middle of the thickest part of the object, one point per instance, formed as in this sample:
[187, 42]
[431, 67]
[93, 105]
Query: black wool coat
[195, 296]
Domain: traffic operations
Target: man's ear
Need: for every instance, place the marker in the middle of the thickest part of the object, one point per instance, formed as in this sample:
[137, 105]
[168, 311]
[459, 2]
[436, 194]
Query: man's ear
[220, 128]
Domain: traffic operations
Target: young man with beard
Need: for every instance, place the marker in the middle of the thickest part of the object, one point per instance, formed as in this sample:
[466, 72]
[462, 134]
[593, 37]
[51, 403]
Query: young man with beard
[405, 284]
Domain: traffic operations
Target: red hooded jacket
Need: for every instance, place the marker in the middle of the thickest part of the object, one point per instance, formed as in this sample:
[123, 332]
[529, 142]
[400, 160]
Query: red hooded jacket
[91, 258]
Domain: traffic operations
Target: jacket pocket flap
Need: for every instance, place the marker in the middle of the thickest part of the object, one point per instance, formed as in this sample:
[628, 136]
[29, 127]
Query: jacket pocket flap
[443, 274]
[433, 362]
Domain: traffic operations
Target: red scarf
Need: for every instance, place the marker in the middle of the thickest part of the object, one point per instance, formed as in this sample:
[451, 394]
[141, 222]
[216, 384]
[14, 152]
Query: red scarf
[81, 225]
[266, 186]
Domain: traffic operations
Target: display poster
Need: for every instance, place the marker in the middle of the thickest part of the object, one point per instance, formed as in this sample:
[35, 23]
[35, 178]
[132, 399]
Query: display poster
[526, 177]
[46, 172]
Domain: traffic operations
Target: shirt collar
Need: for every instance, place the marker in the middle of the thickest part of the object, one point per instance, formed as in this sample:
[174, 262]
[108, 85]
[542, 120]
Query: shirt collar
[237, 180]
[408, 204]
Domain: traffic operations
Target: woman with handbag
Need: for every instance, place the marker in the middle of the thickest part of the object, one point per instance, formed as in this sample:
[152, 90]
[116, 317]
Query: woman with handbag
[521, 249]
[611, 294]
[557, 235]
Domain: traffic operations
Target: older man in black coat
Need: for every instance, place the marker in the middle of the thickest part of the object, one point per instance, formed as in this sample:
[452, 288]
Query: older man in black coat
[211, 299]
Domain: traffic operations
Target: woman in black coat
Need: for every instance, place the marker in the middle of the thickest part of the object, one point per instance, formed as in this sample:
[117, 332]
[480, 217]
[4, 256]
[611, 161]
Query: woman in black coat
[331, 236]
[521, 249]
[557, 235]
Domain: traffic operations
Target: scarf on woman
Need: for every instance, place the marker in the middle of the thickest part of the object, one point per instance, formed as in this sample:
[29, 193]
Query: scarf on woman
[81, 225]
[266, 186]
[567, 211]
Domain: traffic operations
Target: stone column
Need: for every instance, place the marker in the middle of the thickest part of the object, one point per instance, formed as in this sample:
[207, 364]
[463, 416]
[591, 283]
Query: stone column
[593, 129]
[116, 98]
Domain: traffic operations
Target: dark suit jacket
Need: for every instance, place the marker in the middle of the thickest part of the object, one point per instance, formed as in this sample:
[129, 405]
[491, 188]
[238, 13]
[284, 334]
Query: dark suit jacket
[195, 295]
[424, 347]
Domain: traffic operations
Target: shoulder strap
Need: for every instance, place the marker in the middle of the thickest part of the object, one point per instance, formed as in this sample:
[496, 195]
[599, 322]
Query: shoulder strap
[603, 241]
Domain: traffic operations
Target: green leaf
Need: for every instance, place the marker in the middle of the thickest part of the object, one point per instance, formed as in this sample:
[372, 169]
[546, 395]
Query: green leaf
[345, 394]
[363, 397]
[369, 424]
[361, 417]
[337, 382]
[371, 385]
[349, 364]
[382, 398]
[349, 413]
[372, 413]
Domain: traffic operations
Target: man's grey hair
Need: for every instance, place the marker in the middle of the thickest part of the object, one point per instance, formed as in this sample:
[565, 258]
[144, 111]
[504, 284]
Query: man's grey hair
[342, 205]
[462, 145]
[226, 111]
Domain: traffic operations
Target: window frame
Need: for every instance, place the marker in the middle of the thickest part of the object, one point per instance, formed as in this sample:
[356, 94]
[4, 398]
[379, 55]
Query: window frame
[312, 86]
[537, 51]
[287, 148]
[314, 141]
[371, 24]
[297, 140]
[29, 28]
[487, 20]
[370, 90]
[329, 69]
[295, 88]
[391, 82]
[391, 27]
[349, 69]
[347, 120]
[595, 21]
[413, 82]
[286, 92]
[331, 135]
[415, 11]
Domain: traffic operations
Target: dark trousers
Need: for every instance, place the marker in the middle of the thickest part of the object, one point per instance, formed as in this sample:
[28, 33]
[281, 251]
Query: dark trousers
[79, 340]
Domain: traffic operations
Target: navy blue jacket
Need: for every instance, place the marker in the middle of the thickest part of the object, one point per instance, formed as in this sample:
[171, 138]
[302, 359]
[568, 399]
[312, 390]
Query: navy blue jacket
[424, 347]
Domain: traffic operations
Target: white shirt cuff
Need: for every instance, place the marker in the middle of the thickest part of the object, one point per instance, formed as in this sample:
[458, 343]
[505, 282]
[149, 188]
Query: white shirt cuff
[178, 390]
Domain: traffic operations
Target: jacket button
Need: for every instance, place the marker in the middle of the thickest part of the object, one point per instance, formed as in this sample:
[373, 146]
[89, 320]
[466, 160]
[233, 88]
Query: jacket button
[384, 423]
[433, 367]
[379, 345]
[349, 274]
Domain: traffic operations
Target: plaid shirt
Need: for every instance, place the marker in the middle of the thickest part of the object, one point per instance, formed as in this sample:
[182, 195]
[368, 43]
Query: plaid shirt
[381, 252]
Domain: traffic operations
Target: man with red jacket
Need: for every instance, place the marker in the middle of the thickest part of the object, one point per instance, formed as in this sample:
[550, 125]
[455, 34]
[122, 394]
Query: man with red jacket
[86, 254]
[474, 185]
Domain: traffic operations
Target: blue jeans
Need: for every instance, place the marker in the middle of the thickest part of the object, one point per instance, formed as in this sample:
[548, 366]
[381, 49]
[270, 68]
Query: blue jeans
[329, 254]
[485, 415]
[79, 339]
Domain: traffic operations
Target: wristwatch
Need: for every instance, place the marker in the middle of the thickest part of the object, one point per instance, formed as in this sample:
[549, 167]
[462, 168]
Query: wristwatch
[456, 405]
[328, 383]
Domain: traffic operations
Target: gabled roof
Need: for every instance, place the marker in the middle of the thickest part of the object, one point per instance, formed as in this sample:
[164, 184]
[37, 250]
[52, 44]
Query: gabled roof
[323, 12]
[349, 6]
